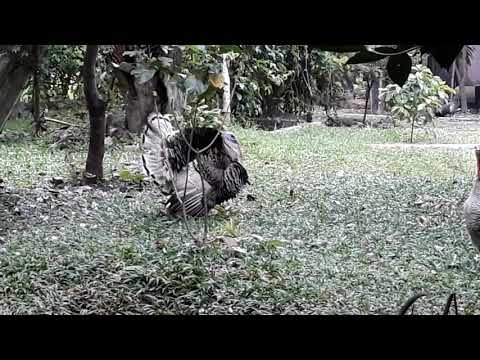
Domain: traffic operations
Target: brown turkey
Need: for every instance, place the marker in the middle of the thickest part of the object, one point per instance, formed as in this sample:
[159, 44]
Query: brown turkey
[472, 206]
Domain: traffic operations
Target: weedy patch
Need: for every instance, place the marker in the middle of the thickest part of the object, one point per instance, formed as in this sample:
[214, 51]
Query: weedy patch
[329, 225]
[131, 177]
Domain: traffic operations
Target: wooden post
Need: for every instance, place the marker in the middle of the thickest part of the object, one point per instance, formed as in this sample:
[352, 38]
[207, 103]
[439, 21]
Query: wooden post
[374, 95]
[226, 111]
[477, 98]
[381, 105]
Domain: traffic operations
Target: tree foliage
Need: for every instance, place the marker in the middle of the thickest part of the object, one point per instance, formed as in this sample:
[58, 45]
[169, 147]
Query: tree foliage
[398, 64]
[419, 97]
[61, 72]
[286, 78]
[265, 79]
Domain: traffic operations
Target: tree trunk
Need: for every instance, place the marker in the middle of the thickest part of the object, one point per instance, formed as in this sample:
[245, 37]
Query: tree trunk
[367, 97]
[477, 98]
[452, 80]
[226, 91]
[96, 109]
[461, 71]
[15, 71]
[139, 98]
[140, 103]
[38, 127]
[350, 85]
[463, 97]
[411, 133]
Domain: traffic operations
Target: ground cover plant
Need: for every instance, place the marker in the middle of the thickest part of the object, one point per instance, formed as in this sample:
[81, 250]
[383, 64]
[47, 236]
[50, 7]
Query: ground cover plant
[333, 223]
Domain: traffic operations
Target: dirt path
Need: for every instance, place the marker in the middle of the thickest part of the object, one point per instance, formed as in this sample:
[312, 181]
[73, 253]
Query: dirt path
[455, 133]
[424, 146]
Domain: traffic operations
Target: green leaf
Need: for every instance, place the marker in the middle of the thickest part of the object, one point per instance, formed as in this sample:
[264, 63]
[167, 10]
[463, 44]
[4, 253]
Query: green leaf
[214, 68]
[125, 67]
[339, 48]
[388, 50]
[143, 74]
[128, 176]
[230, 48]
[398, 68]
[165, 62]
[197, 48]
[194, 85]
[209, 93]
[363, 57]
[133, 53]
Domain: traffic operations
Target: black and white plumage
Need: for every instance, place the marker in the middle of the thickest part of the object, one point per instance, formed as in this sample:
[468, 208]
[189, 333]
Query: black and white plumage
[168, 159]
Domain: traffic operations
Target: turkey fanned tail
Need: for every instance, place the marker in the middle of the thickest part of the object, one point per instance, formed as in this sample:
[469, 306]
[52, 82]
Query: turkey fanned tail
[168, 159]
[189, 196]
[235, 177]
[156, 152]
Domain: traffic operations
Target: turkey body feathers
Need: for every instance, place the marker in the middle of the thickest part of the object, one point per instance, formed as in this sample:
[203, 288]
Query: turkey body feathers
[190, 195]
[234, 178]
[472, 214]
[179, 145]
[471, 210]
[168, 159]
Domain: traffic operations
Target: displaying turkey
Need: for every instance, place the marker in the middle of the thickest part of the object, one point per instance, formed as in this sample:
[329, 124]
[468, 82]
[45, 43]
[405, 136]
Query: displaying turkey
[168, 159]
[472, 206]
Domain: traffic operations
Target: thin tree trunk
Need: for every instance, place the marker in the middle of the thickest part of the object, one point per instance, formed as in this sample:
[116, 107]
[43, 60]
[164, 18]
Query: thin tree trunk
[96, 109]
[36, 92]
[367, 95]
[226, 91]
[463, 98]
[461, 69]
[452, 80]
[411, 134]
[477, 98]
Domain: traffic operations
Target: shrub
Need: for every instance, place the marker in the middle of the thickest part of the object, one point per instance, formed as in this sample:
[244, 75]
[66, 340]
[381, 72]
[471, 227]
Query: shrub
[418, 98]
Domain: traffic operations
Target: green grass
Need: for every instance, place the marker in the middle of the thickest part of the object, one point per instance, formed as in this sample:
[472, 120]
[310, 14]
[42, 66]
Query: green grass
[337, 227]
[18, 125]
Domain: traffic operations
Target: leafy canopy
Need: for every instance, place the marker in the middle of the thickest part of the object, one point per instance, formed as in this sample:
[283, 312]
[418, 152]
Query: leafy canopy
[399, 64]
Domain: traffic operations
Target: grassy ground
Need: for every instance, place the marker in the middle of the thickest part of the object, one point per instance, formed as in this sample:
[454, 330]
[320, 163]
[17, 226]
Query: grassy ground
[336, 227]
